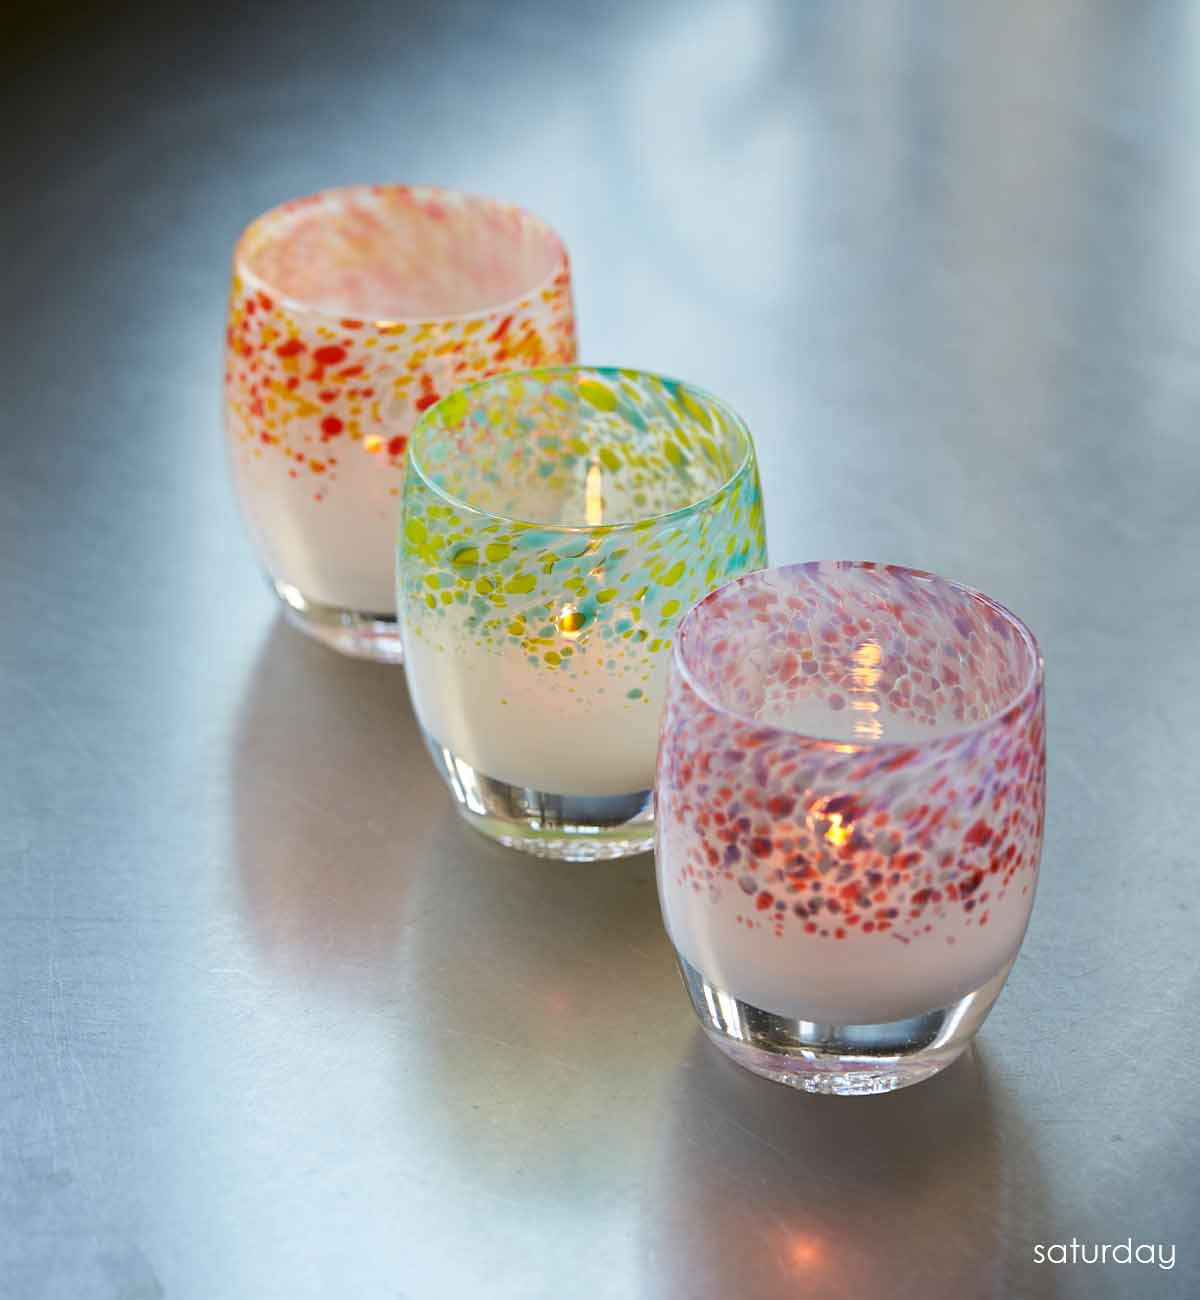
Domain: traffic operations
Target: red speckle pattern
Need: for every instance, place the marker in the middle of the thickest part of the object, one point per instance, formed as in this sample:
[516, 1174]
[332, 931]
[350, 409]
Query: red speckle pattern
[837, 835]
[298, 376]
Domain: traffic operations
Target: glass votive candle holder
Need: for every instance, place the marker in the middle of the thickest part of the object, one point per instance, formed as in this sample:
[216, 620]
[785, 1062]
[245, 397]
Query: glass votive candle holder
[353, 311]
[555, 525]
[851, 790]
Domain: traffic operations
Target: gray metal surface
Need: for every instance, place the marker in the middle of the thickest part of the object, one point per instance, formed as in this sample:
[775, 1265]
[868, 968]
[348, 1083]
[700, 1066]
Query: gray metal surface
[274, 1023]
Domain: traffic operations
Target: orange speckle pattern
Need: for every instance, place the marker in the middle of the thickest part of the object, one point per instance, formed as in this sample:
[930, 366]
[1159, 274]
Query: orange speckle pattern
[354, 310]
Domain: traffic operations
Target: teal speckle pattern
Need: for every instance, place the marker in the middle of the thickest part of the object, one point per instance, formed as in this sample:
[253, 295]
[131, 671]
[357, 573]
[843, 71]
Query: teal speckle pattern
[563, 512]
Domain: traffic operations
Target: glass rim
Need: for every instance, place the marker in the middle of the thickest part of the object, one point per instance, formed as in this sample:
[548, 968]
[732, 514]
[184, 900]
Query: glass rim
[297, 306]
[427, 420]
[1032, 683]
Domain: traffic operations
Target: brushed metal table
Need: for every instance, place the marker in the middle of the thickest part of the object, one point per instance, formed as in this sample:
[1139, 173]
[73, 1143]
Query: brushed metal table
[272, 1022]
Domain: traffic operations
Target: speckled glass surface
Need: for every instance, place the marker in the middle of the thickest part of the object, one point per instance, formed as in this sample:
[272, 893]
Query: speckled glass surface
[352, 311]
[555, 525]
[851, 791]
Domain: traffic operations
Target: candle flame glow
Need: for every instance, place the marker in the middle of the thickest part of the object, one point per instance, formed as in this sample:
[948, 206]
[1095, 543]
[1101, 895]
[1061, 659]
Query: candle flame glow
[593, 496]
[832, 824]
[865, 677]
[839, 832]
[804, 1252]
[570, 622]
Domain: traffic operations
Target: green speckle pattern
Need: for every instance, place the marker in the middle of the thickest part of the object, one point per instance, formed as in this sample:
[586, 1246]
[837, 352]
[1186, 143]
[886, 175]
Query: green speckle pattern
[561, 514]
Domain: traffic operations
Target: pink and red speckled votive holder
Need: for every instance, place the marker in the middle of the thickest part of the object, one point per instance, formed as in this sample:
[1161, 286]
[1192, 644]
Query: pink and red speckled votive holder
[851, 789]
[353, 311]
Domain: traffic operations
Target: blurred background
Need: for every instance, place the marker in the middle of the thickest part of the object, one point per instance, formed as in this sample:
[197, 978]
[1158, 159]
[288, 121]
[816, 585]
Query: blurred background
[256, 985]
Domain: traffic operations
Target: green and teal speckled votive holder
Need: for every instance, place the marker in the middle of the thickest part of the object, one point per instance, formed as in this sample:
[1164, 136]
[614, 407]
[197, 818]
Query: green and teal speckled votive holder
[556, 524]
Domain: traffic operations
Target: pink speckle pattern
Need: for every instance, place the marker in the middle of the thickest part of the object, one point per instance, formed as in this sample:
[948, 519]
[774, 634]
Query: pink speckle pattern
[917, 803]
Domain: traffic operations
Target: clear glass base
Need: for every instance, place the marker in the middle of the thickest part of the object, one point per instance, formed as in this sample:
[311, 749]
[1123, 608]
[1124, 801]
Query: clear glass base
[351, 632]
[845, 1060]
[573, 828]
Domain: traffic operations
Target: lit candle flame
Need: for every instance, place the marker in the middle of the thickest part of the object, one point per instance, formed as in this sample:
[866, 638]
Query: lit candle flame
[838, 833]
[593, 496]
[570, 622]
[832, 824]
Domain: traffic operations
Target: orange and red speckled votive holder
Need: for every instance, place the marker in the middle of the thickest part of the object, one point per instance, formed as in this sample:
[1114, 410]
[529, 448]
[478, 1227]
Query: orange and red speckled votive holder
[352, 311]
